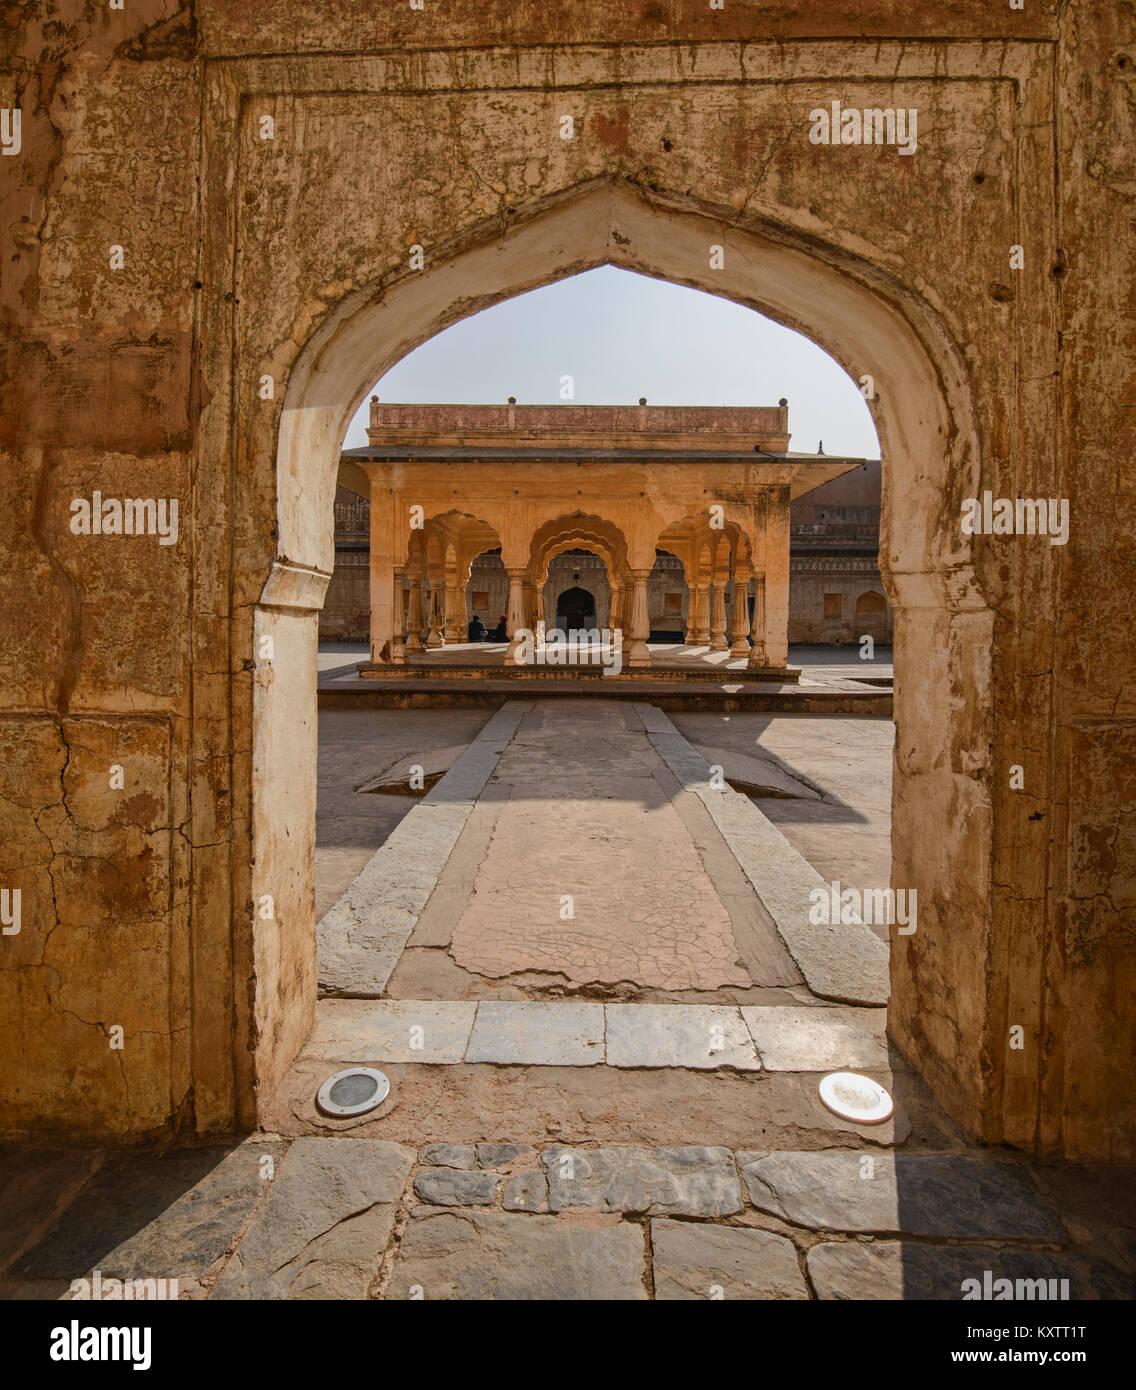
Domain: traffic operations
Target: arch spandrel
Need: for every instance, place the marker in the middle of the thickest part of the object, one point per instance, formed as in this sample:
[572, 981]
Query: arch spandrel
[868, 322]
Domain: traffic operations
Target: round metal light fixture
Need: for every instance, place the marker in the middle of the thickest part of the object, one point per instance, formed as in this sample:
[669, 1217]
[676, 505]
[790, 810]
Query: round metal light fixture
[856, 1098]
[353, 1091]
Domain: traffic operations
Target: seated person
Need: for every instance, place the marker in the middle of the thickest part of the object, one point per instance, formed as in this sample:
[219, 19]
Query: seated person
[499, 633]
[475, 632]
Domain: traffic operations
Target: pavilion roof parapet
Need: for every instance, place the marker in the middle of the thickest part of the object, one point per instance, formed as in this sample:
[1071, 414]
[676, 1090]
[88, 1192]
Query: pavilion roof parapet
[672, 427]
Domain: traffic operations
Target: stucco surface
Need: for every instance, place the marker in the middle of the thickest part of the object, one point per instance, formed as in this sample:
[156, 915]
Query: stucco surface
[246, 257]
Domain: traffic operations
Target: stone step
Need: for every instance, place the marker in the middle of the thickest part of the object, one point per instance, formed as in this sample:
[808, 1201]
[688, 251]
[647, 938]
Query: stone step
[583, 1034]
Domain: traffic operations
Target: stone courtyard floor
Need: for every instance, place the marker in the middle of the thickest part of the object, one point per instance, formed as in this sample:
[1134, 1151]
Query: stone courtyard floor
[574, 935]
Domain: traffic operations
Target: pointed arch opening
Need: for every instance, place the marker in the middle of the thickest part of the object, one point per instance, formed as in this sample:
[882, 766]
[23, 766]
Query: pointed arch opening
[865, 318]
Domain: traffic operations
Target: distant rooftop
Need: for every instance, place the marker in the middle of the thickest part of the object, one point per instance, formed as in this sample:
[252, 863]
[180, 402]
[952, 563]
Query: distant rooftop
[686, 427]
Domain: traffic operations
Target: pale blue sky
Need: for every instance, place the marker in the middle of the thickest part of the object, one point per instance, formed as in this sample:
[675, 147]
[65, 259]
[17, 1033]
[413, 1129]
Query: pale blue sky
[622, 336]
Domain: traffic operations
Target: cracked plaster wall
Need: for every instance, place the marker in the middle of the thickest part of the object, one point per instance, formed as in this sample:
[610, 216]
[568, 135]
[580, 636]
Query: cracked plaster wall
[440, 127]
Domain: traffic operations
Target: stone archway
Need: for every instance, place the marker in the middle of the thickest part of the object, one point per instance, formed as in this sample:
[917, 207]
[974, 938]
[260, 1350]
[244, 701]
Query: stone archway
[871, 616]
[862, 317]
[433, 137]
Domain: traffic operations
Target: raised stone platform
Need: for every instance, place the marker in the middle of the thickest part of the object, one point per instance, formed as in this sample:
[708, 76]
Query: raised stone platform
[680, 678]
[575, 671]
[440, 692]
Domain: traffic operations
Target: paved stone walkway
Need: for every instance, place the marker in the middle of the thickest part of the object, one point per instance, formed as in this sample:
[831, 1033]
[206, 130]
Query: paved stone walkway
[352, 1218]
[585, 844]
[590, 872]
[580, 1148]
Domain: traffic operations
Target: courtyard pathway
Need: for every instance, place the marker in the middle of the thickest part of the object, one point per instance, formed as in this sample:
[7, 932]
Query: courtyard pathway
[585, 845]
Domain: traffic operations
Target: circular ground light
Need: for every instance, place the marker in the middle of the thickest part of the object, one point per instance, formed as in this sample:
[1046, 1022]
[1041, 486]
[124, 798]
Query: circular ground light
[856, 1098]
[353, 1091]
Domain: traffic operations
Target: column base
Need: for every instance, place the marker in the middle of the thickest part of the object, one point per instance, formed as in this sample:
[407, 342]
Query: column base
[638, 655]
[719, 644]
[391, 653]
[414, 644]
[740, 647]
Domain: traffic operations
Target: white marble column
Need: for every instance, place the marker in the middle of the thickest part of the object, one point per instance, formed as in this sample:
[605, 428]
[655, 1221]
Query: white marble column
[700, 621]
[414, 615]
[398, 647]
[718, 641]
[515, 615]
[455, 628]
[777, 578]
[757, 655]
[739, 643]
[434, 638]
[638, 655]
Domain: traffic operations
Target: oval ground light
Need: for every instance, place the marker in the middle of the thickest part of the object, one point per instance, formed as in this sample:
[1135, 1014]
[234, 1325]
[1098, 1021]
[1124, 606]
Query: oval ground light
[353, 1091]
[856, 1098]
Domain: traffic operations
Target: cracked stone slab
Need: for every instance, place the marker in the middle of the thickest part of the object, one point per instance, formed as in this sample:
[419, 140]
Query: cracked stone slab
[535, 1034]
[894, 1269]
[701, 1036]
[818, 1039]
[362, 935]
[493, 1256]
[846, 962]
[688, 1181]
[694, 1261]
[755, 775]
[431, 764]
[384, 1030]
[324, 1225]
[454, 1187]
[909, 1194]
[169, 1216]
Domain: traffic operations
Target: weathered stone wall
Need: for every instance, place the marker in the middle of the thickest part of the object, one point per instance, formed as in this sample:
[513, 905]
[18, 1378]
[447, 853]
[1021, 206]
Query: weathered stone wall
[812, 578]
[243, 257]
[346, 611]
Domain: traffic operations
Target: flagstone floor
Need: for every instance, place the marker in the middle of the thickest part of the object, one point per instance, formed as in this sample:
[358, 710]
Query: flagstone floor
[583, 960]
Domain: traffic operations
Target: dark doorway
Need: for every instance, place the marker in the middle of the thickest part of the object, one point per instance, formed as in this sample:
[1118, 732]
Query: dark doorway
[575, 610]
